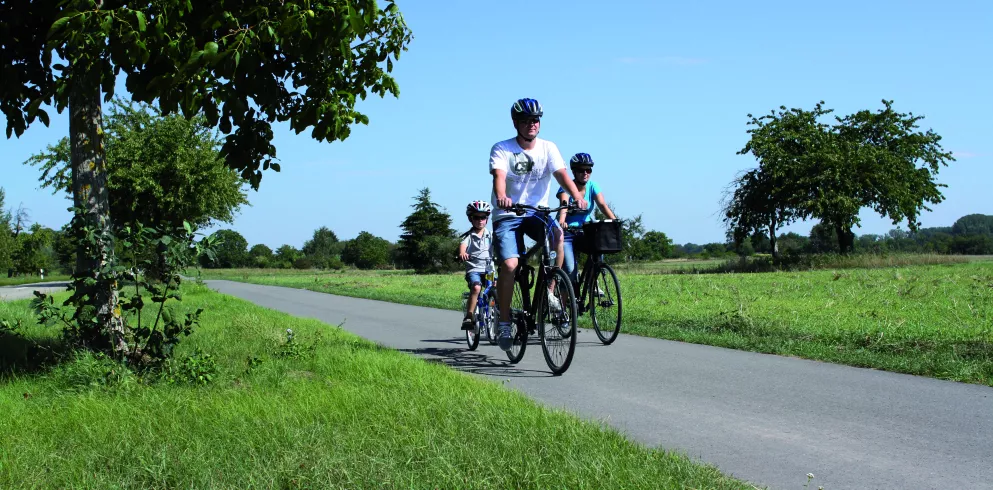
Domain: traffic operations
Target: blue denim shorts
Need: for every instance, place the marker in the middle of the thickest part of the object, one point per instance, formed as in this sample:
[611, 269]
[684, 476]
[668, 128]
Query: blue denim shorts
[474, 278]
[509, 234]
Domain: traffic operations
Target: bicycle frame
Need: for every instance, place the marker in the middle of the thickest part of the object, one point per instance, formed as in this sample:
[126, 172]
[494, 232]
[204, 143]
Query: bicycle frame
[586, 279]
[531, 302]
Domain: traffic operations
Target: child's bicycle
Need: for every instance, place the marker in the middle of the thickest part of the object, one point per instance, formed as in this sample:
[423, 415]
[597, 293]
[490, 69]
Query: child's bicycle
[530, 312]
[485, 318]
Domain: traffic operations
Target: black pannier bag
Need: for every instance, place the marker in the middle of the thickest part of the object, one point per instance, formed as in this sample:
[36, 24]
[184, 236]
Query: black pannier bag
[602, 237]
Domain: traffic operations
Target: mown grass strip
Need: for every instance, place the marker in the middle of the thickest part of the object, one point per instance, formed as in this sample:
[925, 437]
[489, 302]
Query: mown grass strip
[932, 320]
[344, 413]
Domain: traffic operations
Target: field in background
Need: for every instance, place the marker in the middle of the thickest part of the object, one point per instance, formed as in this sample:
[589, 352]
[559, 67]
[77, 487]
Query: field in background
[932, 320]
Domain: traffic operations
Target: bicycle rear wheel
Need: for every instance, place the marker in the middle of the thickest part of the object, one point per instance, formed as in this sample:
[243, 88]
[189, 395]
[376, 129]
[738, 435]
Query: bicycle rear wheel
[518, 320]
[606, 304]
[557, 329]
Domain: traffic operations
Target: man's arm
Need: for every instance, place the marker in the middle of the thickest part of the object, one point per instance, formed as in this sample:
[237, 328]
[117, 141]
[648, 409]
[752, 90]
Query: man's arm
[500, 188]
[562, 176]
[563, 200]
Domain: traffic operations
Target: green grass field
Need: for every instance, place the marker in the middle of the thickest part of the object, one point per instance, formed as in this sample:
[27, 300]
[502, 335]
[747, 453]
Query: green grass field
[932, 320]
[339, 413]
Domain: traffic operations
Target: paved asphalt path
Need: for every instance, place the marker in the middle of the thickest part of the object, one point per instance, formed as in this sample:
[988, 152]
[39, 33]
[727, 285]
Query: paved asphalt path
[767, 419]
[25, 291]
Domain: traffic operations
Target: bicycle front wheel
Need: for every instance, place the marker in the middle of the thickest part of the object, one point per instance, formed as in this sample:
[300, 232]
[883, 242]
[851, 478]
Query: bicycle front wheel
[472, 335]
[557, 325]
[606, 304]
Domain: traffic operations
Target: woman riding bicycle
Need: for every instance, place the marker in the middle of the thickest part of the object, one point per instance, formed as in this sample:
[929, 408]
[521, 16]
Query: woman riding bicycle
[572, 221]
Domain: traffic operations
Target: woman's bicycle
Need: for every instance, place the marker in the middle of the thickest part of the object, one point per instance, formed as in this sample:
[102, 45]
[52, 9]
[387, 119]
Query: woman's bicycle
[486, 315]
[599, 290]
[532, 313]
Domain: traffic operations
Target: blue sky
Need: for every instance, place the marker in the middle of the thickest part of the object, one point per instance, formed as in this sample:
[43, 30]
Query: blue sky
[657, 92]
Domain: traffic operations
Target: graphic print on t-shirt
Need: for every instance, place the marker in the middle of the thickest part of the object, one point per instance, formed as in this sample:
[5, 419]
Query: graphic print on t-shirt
[522, 163]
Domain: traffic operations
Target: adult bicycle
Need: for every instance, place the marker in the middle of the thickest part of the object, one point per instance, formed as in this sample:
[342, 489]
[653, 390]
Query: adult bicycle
[530, 312]
[599, 291]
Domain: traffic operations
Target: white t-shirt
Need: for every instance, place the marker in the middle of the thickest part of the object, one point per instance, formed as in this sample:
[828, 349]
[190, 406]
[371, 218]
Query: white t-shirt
[529, 172]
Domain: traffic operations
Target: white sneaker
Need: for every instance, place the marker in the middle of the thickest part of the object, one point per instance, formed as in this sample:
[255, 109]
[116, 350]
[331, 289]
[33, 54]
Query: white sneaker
[553, 303]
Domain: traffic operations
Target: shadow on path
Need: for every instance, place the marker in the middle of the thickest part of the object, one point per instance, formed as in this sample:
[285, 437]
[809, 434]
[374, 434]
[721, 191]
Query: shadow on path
[477, 362]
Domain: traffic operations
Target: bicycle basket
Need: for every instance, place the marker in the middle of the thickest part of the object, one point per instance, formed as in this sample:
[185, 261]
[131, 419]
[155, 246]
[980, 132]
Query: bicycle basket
[602, 237]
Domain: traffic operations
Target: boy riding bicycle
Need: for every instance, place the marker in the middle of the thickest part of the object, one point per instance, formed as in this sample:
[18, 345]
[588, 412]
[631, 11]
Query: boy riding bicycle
[475, 252]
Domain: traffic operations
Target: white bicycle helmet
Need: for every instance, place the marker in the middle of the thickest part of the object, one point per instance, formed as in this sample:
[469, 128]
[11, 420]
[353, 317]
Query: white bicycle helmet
[482, 207]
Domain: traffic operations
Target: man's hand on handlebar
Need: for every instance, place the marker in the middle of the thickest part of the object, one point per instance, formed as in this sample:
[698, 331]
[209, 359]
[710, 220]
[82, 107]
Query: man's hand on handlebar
[504, 202]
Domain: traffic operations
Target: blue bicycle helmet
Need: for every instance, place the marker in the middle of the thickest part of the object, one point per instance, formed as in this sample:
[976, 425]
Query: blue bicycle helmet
[525, 108]
[581, 159]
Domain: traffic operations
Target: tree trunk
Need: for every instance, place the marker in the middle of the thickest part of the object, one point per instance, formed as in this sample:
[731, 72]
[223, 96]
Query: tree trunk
[772, 240]
[91, 200]
[846, 239]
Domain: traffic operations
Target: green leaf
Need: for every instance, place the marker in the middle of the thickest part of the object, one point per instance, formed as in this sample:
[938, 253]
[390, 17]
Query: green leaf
[210, 49]
[275, 166]
[356, 20]
[141, 21]
[57, 25]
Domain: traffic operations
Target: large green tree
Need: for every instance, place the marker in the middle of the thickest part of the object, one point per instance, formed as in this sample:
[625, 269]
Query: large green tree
[231, 250]
[788, 144]
[260, 255]
[161, 170]
[242, 64]
[973, 224]
[366, 251]
[809, 169]
[322, 247]
[428, 242]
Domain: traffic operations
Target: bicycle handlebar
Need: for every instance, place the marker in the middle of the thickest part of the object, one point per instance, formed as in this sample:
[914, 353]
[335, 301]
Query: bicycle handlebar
[520, 208]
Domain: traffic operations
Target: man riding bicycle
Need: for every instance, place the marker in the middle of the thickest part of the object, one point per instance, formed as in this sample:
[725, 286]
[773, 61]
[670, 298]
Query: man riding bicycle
[522, 168]
[572, 221]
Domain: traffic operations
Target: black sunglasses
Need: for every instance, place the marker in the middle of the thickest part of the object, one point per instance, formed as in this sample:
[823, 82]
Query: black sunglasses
[585, 170]
[530, 120]
[480, 216]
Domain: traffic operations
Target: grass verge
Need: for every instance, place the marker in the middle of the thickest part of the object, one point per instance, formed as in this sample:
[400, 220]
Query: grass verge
[931, 320]
[334, 412]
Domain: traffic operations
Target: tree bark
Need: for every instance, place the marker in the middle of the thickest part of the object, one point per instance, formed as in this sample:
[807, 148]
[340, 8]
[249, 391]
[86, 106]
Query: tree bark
[92, 203]
[846, 239]
[772, 240]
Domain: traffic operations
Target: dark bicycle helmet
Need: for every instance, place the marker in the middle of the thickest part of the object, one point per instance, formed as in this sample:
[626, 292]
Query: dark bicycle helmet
[525, 108]
[581, 160]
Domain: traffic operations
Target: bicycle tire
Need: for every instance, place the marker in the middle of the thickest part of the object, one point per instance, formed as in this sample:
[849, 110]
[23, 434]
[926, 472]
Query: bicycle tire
[472, 336]
[492, 321]
[557, 330]
[518, 320]
[606, 310]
